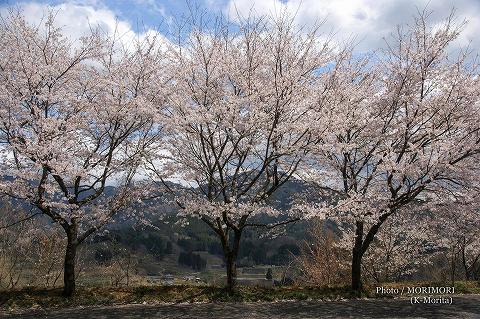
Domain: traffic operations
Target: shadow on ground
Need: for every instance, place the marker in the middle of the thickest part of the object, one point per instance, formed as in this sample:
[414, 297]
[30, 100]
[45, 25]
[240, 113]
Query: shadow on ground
[462, 307]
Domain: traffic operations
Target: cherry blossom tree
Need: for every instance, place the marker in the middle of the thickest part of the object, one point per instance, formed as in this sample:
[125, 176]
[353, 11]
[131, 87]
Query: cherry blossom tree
[237, 121]
[396, 132]
[405, 242]
[458, 233]
[75, 117]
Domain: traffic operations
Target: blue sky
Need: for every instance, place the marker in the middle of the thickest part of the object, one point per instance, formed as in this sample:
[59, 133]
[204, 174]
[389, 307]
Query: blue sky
[369, 21]
[148, 12]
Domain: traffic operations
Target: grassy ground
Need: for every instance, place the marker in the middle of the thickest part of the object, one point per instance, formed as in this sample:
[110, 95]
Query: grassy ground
[51, 298]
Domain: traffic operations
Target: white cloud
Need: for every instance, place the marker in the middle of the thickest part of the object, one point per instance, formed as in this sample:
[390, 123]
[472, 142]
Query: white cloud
[368, 20]
[156, 7]
[76, 19]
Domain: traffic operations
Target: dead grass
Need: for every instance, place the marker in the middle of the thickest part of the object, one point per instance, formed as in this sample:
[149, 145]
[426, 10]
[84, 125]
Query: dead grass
[101, 296]
[26, 299]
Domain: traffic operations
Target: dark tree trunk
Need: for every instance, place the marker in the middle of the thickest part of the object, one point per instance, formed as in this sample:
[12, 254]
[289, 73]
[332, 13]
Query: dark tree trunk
[360, 247]
[453, 266]
[224, 229]
[231, 272]
[70, 258]
[357, 254]
[230, 252]
[356, 271]
[464, 262]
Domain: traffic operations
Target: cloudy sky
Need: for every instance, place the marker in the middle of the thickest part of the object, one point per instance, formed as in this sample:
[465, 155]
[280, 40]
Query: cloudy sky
[368, 20]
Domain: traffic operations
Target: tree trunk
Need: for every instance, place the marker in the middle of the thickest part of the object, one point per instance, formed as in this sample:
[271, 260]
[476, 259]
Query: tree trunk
[230, 253]
[231, 272]
[469, 270]
[357, 258]
[465, 266]
[453, 266]
[360, 247]
[356, 272]
[230, 250]
[70, 258]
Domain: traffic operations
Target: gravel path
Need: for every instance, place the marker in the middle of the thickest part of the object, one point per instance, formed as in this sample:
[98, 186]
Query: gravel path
[462, 307]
